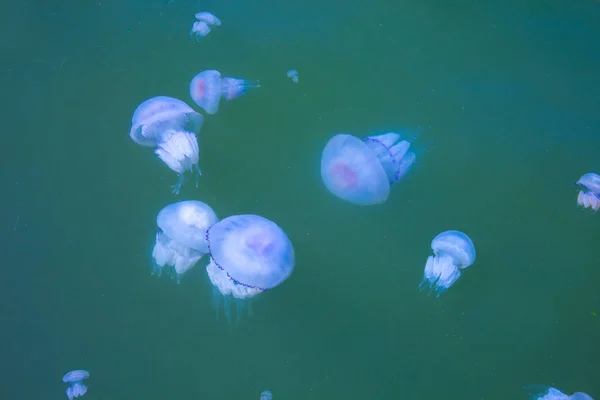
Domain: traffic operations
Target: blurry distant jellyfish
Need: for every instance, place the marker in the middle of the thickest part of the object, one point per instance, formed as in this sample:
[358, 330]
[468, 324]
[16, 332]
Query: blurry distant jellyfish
[248, 255]
[292, 73]
[181, 240]
[453, 251]
[362, 171]
[75, 380]
[266, 395]
[589, 195]
[202, 26]
[540, 392]
[170, 126]
[207, 88]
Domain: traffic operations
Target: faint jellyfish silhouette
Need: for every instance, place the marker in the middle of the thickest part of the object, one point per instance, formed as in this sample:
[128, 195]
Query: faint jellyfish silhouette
[362, 171]
[266, 395]
[248, 255]
[202, 26]
[181, 240]
[292, 73]
[170, 126]
[453, 251]
[208, 87]
[589, 195]
[75, 380]
[542, 392]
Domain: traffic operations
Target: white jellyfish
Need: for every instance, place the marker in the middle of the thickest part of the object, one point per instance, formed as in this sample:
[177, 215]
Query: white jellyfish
[181, 240]
[202, 26]
[266, 395]
[75, 380]
[248, 255]
[589, 195]
[170, 126]
[208, 87]
[540, 392]
[453, 251]
[292, 73]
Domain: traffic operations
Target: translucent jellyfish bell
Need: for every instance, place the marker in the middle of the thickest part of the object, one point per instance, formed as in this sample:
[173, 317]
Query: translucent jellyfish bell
[453, 251]
[266, 395]
[207, 88]
[362, 171]
[170, 126]
[589, 195]
[581, 396]
[181, 240]
[248, 255]
[75, 380]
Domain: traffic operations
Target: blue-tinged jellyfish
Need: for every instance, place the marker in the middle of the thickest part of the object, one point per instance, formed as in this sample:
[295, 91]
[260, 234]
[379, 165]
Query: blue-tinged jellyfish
[202, 27]
[362, 171]
[292, 73]
[589, 195]
[248, 255]
[266, 395]
[170, 126]
[208, 87]
[453, 251]
[540, 392]
[75, 380]
[181, 240]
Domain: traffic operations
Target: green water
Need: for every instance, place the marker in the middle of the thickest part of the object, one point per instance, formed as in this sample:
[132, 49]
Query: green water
[507, 96]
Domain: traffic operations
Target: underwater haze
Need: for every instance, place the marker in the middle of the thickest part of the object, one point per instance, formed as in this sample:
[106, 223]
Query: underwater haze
[506, 97]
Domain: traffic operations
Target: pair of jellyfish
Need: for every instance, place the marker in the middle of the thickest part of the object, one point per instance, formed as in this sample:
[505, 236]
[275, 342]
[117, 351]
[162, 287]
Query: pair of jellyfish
[292, 73]
[248, 253]
[453, 251]
[362, 171]
[75, 380]
[550, 393]
[202, 27]
[208, 87]
[589, 195]
[170, 126]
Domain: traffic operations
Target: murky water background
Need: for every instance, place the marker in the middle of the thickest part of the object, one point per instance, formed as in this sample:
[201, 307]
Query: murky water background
[507, 97]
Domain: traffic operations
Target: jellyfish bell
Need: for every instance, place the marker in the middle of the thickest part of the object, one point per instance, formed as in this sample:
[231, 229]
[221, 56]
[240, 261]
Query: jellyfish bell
[208, 18]
[181, 240]
[248, 255]
[205, 90]
[453, 251]
[170, 126]
[580, 396]
[589, 195]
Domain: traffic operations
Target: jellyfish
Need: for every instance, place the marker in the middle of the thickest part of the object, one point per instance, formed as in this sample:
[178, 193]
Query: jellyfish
[362, 171]
[170, 126]
[207, 88]
[589, 195]
[208, 17]
[266, 395]
[181, 240]
[453, 251]
[540, 392]
[75, 380]
[202, 26]
[292, 73]
[248, 255]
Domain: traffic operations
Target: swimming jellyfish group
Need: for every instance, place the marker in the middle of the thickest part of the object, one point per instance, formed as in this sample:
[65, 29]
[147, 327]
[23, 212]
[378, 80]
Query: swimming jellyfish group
[75, 380]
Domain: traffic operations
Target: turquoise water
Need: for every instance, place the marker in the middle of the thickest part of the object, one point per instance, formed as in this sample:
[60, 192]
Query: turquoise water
[507, 96]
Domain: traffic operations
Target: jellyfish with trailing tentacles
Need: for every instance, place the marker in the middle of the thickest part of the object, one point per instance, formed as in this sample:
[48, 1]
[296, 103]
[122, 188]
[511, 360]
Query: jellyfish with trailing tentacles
[208, 87]
[540, 392]
[362, 171]
[453, 251]
[75, 380]
[181, 240]
[589, 195]
[248, 255]
[170, 126]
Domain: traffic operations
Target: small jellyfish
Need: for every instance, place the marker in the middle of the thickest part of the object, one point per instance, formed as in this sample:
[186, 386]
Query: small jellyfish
[181, 240]
[453, 251]
[266, 395]
[202, 26]
[75, 380]
[589, 195]
[207, 88]
[362, 171]
[292, 73]
[208, 17]
[540, 392]
[170, 126]
[248, 255]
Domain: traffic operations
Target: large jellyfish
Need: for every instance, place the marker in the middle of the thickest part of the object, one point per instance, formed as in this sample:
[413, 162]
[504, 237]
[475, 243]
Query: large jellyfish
[207, 88]
[589, 195]
[362, 171]
[248, 255]
[181, 240]
[170, 126]
[75, 380]
[453, 251]
[540, 392]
